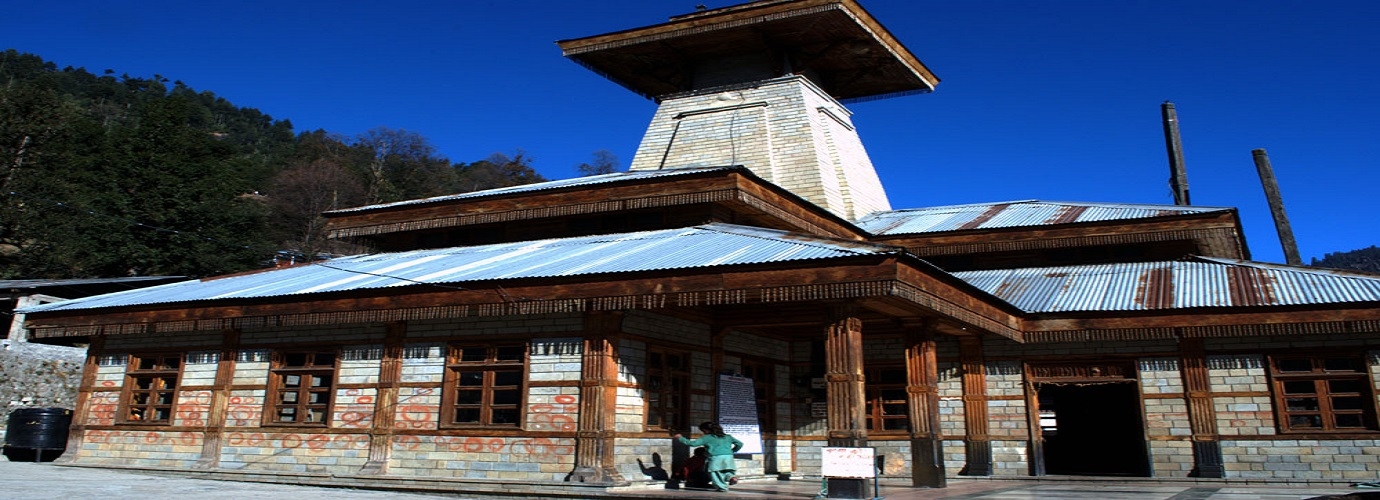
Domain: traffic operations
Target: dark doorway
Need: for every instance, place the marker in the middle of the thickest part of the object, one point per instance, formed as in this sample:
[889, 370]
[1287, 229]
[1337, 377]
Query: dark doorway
[1092, 429]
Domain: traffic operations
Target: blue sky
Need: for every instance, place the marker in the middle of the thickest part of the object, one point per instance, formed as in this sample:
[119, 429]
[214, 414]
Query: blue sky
[1052, 100]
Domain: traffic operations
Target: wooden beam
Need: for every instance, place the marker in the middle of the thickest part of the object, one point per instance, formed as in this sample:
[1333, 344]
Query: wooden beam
[922, 394]
[1202, 417]
[845, 380]
[596, 435]
[386, 400]
[737, 191]
[1214, 233]
[977, 441]
[220, 400]
[76, 433]
[766, 288]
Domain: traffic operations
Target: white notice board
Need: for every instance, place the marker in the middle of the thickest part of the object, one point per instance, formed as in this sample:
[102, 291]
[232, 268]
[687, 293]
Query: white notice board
[738, 412]
[860, 463]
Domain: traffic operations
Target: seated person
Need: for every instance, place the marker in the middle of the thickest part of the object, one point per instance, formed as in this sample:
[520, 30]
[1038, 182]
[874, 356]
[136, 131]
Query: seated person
[694, 472]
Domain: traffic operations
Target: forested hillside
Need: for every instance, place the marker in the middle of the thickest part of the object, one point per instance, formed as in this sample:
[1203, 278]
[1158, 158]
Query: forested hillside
[1365, 259]
[108, 176]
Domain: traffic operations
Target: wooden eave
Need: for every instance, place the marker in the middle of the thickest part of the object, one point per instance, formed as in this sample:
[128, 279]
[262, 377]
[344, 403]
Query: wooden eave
[887, 287]
[1203, 323]
[1217, 234]
[781, 300]
[851, 54]
[759, 203]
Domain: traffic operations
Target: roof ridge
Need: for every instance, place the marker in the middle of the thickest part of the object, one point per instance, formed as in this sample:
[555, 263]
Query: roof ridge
[749, 230]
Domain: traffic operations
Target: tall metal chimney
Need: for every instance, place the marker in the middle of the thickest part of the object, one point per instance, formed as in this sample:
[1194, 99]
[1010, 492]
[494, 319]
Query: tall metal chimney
[1178, 177]
[1286, 233]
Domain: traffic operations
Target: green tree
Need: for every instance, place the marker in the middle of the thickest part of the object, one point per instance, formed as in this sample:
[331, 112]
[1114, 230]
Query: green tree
[603, 162]
[403, 165]
[497, 171]
[1364, 259]
[300, 194]
[115, 175]
[39, 131]
[161, 198]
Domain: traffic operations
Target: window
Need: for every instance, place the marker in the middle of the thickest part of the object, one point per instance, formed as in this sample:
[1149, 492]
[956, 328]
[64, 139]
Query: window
[150, 389]
[302, 386]
[485, 386]
[666, 389]
[763, 377]
[887, 404]
[1323, 394]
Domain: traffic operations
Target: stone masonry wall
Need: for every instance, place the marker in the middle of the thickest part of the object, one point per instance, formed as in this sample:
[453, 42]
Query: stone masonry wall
[552, 405]
[1166, 417]
[1007, 422]
[786, 130]
[38, 376]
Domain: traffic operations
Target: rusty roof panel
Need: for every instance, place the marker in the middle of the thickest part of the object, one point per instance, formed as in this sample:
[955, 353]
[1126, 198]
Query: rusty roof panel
[708, 245]
[1013, 214]
[1200, 282]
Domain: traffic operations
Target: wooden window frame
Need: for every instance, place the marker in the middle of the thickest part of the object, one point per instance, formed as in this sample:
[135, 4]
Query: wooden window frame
[659, 408]
[876, 393]
[487, 410]
[154, 402]
[283, 394]
[763, 375]
[1324, 372]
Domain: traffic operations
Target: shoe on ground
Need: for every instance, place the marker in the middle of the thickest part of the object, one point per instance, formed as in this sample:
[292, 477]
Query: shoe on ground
[732, 480]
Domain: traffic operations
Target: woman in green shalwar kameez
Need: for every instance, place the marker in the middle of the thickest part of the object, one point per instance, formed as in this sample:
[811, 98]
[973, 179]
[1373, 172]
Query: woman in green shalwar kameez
[721, 449]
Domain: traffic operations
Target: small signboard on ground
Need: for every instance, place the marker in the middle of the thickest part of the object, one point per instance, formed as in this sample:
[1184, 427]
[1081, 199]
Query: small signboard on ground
[855, 463]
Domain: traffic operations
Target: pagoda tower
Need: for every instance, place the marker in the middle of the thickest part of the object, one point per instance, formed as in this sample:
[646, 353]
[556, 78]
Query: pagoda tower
[761, 85]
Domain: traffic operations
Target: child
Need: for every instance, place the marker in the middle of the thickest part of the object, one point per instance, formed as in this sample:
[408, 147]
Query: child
[721, 448]
[694, 470]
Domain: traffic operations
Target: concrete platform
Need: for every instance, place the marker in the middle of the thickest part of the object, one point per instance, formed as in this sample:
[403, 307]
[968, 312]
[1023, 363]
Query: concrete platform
[22, 480]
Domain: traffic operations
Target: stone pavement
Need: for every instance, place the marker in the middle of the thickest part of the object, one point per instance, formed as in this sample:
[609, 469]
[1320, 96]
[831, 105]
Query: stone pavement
[24, 480]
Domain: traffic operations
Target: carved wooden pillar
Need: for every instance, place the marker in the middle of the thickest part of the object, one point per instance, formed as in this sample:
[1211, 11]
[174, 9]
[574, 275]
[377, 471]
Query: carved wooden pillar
[76, 433]
[846, 390]
[595, 436]
[1202, 419]
[386, 400]
[220, 399]
[922, 394]
[977, 442]
[844, 375]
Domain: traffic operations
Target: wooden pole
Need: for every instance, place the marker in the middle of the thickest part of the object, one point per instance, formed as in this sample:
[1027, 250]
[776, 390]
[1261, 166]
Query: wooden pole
[1286, 233]
[1178, 175]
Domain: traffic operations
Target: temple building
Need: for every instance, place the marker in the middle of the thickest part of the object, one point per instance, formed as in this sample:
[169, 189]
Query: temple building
[749, 263]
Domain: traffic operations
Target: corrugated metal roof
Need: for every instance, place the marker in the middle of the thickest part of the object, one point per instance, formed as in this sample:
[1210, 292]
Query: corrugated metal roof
[707, 245]
[1200, 282]
[1013, 214]
[544, 186]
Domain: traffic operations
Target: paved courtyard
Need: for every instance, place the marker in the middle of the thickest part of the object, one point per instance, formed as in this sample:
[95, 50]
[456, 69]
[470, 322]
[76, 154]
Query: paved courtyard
[23, 480]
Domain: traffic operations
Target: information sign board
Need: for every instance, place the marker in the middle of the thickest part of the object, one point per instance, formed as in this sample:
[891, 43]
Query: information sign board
[738, 412]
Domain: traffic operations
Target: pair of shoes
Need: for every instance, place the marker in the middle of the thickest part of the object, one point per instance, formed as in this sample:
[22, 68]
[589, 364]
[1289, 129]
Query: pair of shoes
[732, 480]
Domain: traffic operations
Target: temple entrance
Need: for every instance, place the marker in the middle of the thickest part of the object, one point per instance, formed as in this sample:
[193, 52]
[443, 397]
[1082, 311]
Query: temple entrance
[1092, 429]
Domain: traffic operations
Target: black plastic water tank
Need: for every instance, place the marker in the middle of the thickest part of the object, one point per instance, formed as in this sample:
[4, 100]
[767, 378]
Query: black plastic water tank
[33, 431]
